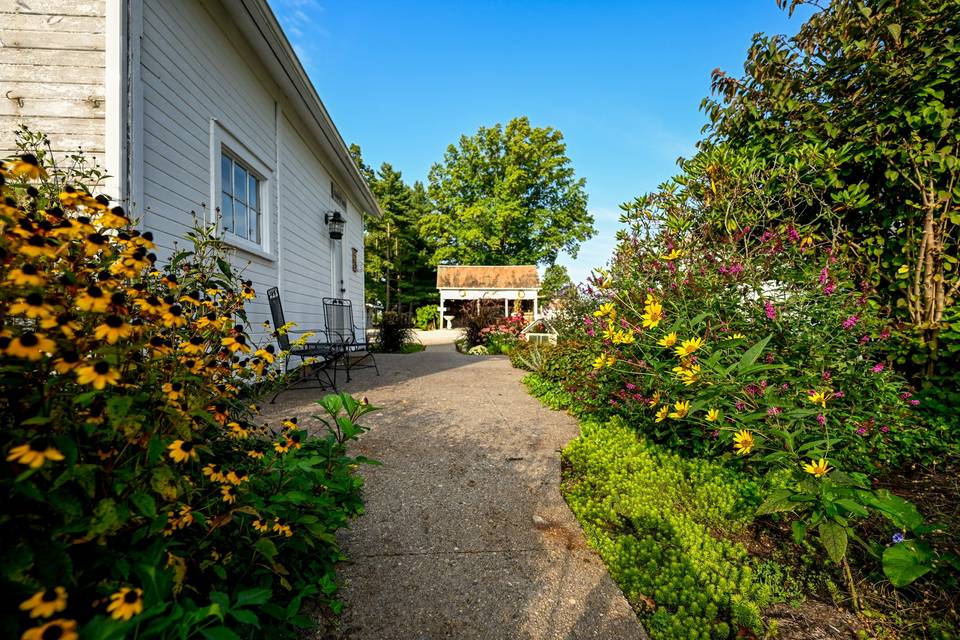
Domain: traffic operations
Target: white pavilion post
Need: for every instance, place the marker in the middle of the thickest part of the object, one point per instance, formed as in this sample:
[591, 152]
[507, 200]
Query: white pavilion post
[536, 313]
[443, 309]
[506, 306]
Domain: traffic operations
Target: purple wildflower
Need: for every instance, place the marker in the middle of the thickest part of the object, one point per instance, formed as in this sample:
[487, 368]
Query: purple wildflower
[821, 419]
[914, 403]
[897, 538]
[774, 411]
[824, 275]
[862, 431]
[884, 429]
[829, 288]
[740, 405]
[850, 322]
[838, 394]
[770, 310]
[826, 374]
[877, 368]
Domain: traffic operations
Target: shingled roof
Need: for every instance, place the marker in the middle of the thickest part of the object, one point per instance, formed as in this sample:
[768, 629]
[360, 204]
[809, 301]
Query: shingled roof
[487, 277]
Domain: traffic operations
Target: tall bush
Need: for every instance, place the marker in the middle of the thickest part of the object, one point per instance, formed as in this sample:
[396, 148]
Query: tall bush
[143, 496]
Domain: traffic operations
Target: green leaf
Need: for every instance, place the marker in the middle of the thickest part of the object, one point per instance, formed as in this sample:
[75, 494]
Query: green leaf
[905, 562]
[145, 504]
[833, 537]
[894, 30]
[852, 506]
[219, 633]
[266, 547]
[256, 596]
[751, 355]
[778, 500]
[245, 617]
[799, 530]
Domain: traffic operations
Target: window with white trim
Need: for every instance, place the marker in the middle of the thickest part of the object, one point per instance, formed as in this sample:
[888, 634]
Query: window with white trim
[241, 189]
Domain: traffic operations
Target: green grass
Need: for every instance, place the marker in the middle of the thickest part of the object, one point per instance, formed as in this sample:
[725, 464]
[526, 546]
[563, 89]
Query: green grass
[412, 347]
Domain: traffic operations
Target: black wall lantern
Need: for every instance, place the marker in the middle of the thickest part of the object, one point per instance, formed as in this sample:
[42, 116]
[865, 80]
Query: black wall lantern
[335, 224]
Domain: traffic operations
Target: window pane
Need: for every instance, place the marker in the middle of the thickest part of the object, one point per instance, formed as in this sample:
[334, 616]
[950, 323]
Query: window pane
[252, 188]
[226, 213]
[239, 186]
[253, 222]
[226, 171]
[240, 219]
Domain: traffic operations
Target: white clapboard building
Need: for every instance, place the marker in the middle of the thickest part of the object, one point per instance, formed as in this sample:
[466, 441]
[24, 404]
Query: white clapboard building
[194, 106]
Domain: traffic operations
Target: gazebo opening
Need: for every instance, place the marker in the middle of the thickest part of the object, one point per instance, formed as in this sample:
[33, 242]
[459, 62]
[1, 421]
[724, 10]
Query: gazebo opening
[506, 290]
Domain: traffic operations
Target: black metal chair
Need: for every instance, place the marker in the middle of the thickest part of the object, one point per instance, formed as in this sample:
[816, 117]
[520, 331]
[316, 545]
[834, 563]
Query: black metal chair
[315, 357]
[342, 331]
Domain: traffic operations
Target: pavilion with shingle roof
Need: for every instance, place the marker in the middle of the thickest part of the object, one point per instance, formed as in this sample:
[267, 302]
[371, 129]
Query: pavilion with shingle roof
[510, 283]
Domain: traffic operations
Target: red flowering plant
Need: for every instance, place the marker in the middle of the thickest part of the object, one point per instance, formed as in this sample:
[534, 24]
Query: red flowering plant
[142, 494]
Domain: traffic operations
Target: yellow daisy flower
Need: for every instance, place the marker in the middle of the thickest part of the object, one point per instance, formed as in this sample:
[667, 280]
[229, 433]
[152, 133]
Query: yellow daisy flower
[662, 413]
[688, 346]
[652, 315]
[261, 525]
[606, 309]
[818, 468]
[742, 442]
[112, 329]
[680, 409]
[99, 374]
[713, 415]
[668, 340]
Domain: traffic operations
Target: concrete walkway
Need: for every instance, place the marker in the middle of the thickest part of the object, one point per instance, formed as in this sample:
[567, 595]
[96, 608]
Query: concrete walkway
[466, 534]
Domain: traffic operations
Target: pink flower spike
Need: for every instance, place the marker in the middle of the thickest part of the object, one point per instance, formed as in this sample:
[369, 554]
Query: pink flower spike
[850, 322]
[821, 419]
[824, 275]
[770, 310]
[877, 368]
[829, 288]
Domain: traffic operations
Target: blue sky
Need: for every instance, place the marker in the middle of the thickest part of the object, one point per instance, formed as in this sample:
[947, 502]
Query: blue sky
[623, 81]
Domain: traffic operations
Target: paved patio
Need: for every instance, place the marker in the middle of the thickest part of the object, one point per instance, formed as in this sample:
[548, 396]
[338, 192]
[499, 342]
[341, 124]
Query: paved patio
[466, 534]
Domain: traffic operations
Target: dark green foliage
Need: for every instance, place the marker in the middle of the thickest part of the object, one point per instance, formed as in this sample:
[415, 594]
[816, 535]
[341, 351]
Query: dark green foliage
[394, 333]
[556, 281]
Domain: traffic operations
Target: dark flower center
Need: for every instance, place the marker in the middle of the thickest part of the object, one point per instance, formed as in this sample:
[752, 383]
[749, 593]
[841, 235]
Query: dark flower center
[54, 632]
[34, 300]
[50, 595]
[101, 367]
[115, 322]
[29, 340]
[29, 269]
[156, 341]
[196, 341]
[130, 597]
[94, 291]
[186, 447]
[176, 386]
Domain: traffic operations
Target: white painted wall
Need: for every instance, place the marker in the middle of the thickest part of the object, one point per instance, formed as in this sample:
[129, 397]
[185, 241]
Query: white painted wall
[52, 73]
[199, 77]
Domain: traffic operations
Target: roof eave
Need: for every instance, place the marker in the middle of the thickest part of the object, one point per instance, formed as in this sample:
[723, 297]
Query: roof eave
[260, 25]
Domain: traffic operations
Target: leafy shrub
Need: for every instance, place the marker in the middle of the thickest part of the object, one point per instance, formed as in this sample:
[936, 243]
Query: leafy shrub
[477, 319]
[530, 356]
[427, 317]
[142, 494]
[394, 332]
[478, 350]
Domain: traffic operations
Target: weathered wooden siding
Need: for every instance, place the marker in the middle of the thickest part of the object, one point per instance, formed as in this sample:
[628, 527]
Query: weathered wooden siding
[52, 72]
[196, 67]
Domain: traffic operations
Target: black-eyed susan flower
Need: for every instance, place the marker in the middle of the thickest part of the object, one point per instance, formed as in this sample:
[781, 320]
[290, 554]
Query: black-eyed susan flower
[173, 316]
[228, 493]
[32, 306]
[99, 374]
[214, 472]
[159, 346]
[236, 343]
[44, 604]
[182, 450]
[267, 354]
[247, 293]
[283, 445]
[237, 430]
[195, 345]
[67, 362]
[256, 452]
[34, 454]
[182, 519]
[174, 390]
[115, 218]
[282, 529]
[94, 243]
[38, 246]
[93, 299]
[261, 525]
[26, 166]
[27, 275]
[151, 304]
[59, 629]
[112, 329]
[818, 468]
[125, 604]
[743, 442]
[235, 478]
[30, 346]
[289, 423]
[66, 322]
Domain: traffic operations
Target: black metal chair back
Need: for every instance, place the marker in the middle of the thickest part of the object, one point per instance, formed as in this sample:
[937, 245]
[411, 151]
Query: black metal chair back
[338, 318]
[276, 312]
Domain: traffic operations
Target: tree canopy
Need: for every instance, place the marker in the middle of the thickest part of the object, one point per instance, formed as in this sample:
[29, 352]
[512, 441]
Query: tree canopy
[506, 195]
[555, 279]
[396, 266]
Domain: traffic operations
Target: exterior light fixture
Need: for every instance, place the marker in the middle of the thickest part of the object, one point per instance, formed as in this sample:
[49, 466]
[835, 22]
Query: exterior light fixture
[334, 222]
